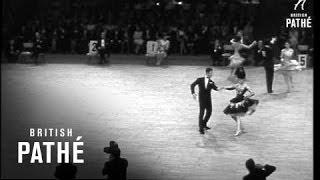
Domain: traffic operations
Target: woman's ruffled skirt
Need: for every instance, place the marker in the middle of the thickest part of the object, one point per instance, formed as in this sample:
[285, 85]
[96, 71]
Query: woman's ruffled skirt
[236, 60]
[292, 65]
[242, 108]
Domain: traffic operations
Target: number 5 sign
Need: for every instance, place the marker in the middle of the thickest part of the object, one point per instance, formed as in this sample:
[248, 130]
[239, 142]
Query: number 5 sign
[152, 47]
[302, 58]
[92, 47]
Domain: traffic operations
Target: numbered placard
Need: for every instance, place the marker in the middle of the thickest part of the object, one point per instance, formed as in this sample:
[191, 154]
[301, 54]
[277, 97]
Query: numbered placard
[93, 47]
[152, 47]
[303, 59]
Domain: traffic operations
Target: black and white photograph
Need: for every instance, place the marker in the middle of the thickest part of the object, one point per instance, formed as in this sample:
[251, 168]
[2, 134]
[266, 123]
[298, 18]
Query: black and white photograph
[158, 89]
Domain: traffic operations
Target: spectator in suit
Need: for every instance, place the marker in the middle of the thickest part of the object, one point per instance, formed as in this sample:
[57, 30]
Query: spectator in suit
[124, 40]
[75, 39]
[38, 47]
[257, 171]
[182, 38]
[216, 54]
[103, 47]
[116, 167]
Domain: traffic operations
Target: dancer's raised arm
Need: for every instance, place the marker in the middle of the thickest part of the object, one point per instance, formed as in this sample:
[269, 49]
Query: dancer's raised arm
[250, 46]
[232, 87]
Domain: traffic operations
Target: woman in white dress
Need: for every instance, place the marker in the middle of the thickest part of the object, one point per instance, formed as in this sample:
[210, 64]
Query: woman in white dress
[287, 65]
[236, 60]
[163, 48]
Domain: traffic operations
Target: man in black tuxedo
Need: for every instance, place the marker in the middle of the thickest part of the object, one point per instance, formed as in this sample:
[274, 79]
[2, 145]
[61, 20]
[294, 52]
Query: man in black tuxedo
[265, 56]
[205, 85]
[38, 47]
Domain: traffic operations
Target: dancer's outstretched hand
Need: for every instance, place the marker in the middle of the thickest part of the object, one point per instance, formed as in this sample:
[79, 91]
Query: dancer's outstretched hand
[254, 43]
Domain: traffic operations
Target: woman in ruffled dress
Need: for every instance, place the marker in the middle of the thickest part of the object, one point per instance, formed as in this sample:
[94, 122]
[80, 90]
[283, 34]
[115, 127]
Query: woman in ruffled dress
[241, 105]
[287, 65]
[236, 60]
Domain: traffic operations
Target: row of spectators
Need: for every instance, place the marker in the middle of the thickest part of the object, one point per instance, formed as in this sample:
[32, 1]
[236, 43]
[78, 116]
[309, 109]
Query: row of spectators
[191, 29]
[116, 167]
[74, 38]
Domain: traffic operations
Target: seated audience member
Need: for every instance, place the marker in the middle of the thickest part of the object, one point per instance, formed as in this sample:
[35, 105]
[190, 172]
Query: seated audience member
[163, 48]
[13, 50]
[38, 47]
[116, 167]
[257, 171]
[216, 54]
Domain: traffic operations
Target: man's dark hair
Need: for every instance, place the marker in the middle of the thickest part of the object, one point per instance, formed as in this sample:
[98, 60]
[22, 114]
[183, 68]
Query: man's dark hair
[113, 149]
[209, 70]
[250, 164]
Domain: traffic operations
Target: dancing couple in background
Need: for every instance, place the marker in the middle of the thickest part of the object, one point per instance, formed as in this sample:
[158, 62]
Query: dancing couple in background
[239, 106]
[286, 67]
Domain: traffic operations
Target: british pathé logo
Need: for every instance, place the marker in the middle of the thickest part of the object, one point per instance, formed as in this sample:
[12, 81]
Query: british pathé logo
[299, 19]
[300, 2]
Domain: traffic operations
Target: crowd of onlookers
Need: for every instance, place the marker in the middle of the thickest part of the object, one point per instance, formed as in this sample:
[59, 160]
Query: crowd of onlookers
[191, 30]
[116, 167]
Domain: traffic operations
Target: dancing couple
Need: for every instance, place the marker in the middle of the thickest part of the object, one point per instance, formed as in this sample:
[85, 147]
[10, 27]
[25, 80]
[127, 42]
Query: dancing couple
[286, 67]
[264, 53]
[239, 106]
